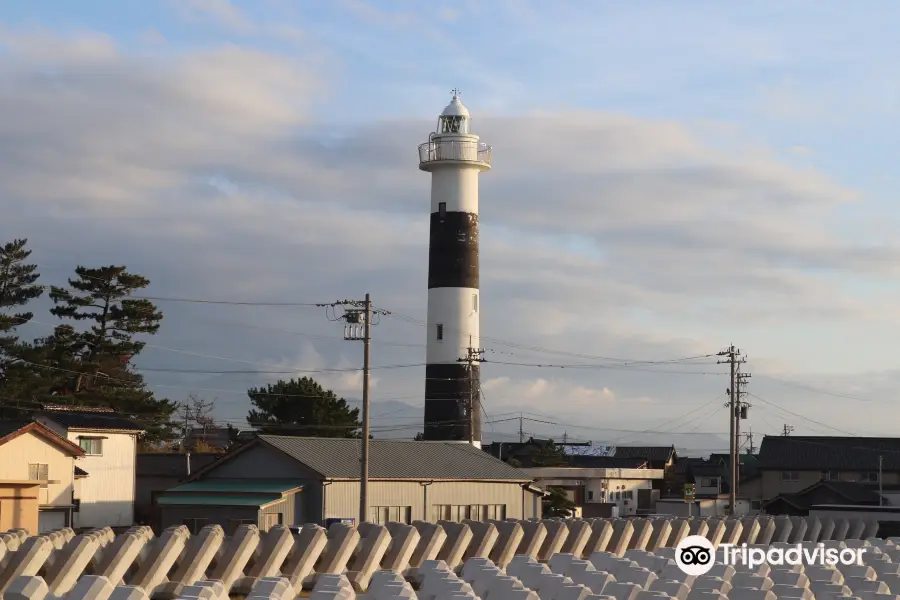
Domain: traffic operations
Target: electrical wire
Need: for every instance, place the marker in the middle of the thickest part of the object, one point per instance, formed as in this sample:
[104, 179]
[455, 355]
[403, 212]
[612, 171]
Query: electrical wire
[799, 416]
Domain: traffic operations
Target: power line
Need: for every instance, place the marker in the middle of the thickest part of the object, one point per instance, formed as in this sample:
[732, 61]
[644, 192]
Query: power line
[799, 416]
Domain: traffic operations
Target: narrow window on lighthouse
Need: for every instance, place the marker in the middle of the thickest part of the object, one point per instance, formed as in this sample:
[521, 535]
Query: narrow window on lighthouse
[440, 332]
[475, 302]
[442, 209]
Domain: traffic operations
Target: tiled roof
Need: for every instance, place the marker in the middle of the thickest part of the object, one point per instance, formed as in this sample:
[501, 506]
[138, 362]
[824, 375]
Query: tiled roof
[88, 417]
[9, 430]
[338, 458]
[170, 464]
[825, 453]
[854, 493]
[653, 453]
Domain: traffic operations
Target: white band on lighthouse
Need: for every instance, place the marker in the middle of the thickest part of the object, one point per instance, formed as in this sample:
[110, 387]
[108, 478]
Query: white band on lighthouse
[455, 157]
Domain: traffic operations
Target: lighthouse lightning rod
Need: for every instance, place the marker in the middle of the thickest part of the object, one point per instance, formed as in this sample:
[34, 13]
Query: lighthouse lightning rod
[358, 316]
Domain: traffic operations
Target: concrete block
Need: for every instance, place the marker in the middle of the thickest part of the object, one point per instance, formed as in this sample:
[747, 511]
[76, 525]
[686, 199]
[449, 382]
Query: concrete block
[557, 532]
[26, 587]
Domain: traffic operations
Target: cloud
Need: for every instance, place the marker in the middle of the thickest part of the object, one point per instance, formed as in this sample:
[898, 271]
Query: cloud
[603, 235]
[536, 394]
[220, 12]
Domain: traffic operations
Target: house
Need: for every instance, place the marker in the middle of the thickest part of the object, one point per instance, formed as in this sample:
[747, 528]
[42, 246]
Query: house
[603, 485]
[156, 472]
[657, 457]
[37, 477]
[296, 480]
[793, 464]
[823, 493]
[109, 442]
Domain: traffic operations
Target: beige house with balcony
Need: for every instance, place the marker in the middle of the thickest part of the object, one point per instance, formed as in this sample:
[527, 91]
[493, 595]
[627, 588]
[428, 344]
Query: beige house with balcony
[37, 477]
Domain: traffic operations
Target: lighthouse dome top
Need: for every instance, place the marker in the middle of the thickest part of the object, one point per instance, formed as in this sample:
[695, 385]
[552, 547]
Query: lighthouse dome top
[455, 119]
[456, 108]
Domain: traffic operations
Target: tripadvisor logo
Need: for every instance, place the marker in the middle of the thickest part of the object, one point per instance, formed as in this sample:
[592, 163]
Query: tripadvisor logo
[695, 555]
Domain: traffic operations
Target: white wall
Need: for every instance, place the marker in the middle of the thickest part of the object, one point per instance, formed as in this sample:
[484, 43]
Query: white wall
[107, 493]
[705, 507]
[457, 185]
[30, 448]
[454, 308]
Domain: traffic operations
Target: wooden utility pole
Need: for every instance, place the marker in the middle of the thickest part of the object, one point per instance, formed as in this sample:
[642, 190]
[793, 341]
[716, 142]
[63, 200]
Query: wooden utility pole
[358, 318]
[472, 358]
[787, 429]
[732, 356]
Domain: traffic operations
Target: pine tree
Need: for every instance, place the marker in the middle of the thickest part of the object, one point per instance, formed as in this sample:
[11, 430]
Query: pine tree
[557, 504]
[17, 289]
[302, 407]
[99, 372]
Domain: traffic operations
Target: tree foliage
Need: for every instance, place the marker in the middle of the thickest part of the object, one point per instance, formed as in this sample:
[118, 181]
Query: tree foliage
[557, 504]
[87, 360]
[17, 289]
[302, 407]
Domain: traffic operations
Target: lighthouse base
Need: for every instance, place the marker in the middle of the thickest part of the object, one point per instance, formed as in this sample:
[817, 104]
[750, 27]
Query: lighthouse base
[446, 402]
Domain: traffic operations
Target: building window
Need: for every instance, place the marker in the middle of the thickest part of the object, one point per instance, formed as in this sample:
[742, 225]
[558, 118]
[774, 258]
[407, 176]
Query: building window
[475, 302]
[871, 477]
[830, 476]
[628, 494]
[91, 446]
[710, 483]
[195, 525]
[790, 476]
[472, 512]
[755, 504]
[442, 209]
[440, 332]
[392, 514]
[590, 495]
[39, 472]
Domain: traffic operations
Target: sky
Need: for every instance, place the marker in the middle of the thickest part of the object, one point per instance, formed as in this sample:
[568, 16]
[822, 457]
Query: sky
[667, 180]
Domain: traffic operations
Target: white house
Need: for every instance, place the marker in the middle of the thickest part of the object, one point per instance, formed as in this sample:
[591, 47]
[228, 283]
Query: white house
[623, 489]
[106, 493]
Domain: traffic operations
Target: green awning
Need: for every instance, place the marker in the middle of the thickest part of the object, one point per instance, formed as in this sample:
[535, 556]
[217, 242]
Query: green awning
[216, 500]
[241, 486]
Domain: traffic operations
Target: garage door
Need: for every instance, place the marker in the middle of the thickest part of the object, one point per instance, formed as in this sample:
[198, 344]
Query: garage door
[51, 520]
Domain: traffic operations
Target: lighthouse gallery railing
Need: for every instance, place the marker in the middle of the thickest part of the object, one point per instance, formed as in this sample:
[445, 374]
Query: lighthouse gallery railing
[454, 150]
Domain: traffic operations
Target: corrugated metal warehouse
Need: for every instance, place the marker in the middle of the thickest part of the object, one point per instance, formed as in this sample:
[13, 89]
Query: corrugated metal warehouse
[294, 480]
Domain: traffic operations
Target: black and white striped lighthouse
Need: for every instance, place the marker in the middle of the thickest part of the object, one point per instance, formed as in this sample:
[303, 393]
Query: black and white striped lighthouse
[455, 158]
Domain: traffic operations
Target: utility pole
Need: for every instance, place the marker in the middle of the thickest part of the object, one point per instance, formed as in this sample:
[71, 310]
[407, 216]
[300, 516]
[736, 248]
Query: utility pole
[358, 317]
[473, 357]
[732, 356]
[742, 407]
[750, 447]
[521, 430]
[787, 430]
[880, 482]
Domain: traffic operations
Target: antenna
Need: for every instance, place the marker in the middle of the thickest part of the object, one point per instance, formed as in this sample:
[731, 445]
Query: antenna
[455, 92]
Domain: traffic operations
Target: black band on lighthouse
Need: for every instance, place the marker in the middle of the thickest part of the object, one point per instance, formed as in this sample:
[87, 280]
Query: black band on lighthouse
[453, 250]
[446, 399]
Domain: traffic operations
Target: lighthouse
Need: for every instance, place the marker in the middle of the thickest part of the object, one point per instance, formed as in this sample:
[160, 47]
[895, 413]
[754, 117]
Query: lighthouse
[455, 158]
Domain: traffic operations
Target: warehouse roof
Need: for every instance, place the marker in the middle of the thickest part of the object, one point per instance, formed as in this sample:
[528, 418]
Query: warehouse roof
[338, 458]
